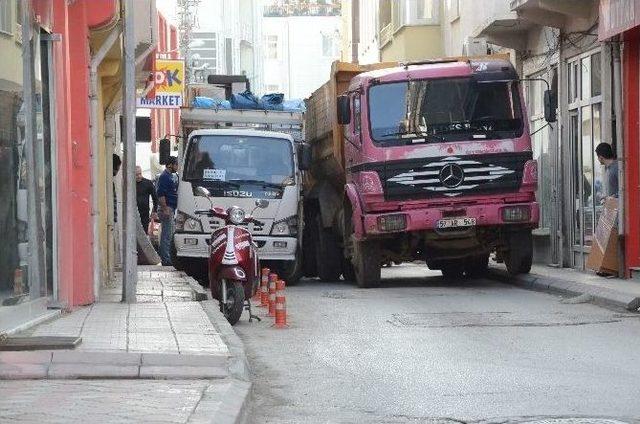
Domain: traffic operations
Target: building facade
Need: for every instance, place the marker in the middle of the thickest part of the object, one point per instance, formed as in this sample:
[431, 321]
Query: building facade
[63, 77]
[360, 31]
[301, 40]
[227, 41]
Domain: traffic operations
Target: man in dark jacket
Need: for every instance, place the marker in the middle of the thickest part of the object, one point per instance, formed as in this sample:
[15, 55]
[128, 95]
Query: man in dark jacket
[144, 190]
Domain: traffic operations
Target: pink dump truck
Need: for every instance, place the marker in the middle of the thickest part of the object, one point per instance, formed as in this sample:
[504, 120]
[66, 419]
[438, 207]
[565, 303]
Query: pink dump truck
[429, 161]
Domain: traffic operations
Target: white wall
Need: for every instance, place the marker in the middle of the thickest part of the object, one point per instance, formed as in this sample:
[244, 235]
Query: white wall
[369, 49]
[300, 66]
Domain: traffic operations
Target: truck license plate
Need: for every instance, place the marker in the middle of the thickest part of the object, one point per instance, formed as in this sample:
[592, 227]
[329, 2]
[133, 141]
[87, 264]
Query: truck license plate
[456, 222]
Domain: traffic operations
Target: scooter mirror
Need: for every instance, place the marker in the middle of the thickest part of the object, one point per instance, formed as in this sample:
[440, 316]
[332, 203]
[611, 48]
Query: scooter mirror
[262, 203]
[201, 191]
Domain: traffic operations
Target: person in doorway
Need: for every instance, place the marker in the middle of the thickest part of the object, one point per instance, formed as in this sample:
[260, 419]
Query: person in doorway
[606, 158]
[116, 168]
[144, 191]
[168, 199]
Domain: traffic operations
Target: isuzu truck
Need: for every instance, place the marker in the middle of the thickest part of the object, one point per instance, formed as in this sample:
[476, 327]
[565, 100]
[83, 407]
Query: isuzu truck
[427, 161]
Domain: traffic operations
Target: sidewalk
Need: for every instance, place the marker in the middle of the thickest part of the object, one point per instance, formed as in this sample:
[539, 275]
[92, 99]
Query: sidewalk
[126, 348]
[614, 292]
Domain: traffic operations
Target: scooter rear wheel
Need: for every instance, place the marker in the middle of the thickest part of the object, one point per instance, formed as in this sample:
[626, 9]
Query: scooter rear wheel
[232, 309]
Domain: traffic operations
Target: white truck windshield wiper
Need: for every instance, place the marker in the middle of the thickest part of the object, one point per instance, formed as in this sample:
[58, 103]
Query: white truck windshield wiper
[412, 135]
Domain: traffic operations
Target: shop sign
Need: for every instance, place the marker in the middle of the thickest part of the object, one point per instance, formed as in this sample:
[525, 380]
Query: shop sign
[165, 87]
[617, 16]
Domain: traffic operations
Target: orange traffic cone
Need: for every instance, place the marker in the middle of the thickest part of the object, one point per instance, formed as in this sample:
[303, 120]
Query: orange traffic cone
[273, 278]
[264, 275]
[264, 288]
[281, 306]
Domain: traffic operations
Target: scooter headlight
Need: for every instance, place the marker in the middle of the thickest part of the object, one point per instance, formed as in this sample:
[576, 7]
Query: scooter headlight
[236, 215]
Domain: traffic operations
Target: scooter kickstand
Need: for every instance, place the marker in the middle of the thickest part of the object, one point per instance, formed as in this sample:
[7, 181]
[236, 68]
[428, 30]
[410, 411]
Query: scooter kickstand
[251, 316]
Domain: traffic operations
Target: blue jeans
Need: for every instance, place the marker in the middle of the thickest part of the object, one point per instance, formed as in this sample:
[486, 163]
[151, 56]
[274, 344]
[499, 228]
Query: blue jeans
[166, 237]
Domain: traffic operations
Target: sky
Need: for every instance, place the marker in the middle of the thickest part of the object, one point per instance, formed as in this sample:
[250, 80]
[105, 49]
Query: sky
[168, 9]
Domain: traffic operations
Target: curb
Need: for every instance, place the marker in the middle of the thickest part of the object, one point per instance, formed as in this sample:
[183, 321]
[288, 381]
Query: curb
[199, 293]
[238, 362]
[599, 295]
[227, 404]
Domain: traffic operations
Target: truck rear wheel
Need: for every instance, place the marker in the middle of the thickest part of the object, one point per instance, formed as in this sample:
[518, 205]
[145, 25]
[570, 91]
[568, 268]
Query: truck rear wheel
[309, 265]
[519, 255]
[366, 263]
[452, 270]
[175, 260]
[477, 266]
[328, 254]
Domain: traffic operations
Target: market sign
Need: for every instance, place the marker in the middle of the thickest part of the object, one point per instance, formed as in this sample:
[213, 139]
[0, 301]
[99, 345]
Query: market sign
[165, 87]
[617, 16]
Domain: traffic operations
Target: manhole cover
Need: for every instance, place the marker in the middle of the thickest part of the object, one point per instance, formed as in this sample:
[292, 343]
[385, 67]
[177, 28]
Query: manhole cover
[497, 319]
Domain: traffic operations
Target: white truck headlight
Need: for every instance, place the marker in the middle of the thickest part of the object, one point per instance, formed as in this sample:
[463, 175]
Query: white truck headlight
[188, 223]
[285, 227]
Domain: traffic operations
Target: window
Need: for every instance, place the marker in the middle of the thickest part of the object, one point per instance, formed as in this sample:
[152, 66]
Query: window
[6, 23]
[272, 47]
[425, 9]
[204, 51]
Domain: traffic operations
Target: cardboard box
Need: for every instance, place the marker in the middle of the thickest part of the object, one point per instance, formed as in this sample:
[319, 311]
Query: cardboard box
[604, 251]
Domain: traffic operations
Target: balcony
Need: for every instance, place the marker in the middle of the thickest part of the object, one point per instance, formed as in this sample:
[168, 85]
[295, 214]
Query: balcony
[552, 13]
[509, 32]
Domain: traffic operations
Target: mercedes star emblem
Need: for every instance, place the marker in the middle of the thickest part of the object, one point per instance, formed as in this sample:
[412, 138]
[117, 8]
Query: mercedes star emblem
[451, 175]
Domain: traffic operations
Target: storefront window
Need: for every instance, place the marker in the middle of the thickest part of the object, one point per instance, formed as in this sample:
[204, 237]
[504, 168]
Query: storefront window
[585, 128]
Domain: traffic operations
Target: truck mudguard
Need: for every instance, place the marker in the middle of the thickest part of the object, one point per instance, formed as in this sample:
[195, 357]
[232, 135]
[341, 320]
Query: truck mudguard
[356, 210]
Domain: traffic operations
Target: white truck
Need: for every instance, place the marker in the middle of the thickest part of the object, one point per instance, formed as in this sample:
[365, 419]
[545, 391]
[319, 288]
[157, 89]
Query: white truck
[241, 156]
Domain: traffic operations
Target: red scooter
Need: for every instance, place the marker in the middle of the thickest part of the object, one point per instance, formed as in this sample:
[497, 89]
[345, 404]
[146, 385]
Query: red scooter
[233, 259]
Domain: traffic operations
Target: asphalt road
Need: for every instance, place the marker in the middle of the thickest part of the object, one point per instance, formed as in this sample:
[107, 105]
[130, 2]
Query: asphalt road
[419, 349]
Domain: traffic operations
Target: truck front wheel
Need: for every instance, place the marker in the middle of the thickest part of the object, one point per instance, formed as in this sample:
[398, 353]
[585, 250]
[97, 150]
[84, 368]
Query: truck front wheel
[519, 255]
[366, 263]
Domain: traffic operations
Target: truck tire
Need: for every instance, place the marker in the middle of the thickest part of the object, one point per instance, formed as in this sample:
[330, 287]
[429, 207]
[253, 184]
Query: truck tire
[519, 255]
[348, 272]
[309, 259]
[175, 260]
[328, 254]
[477, 266]
[366, 263]
[452, 270]
[292, 270]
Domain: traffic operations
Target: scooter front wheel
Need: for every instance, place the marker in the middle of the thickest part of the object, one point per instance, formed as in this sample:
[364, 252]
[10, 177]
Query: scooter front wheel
[232, 308]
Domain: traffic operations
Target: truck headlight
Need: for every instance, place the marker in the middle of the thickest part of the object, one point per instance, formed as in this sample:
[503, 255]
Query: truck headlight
[516, 214]
[397, 222]
[188, 223]
[285, 227]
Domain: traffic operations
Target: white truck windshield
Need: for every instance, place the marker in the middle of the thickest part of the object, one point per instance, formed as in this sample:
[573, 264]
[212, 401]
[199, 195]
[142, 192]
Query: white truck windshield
[449, 109]
[239, 158]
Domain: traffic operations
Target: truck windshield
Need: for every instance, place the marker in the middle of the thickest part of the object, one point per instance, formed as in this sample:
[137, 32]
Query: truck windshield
[243, 159]
[437, 110]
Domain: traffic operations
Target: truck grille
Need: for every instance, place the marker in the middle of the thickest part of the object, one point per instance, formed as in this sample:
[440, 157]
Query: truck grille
[215, 223]
[453, 176]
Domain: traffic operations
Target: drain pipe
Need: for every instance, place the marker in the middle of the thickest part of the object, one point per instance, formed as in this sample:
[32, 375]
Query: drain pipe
[94, 116]
[617, 99]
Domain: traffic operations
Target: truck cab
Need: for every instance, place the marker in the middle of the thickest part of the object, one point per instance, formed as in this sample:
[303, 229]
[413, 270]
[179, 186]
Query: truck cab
[437, 166]
[238, 166]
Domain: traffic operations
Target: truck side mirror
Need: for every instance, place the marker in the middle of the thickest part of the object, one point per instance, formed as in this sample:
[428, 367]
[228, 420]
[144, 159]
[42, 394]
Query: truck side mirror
[165, 150]
[550, 106]
[304, 157]
[344, 110]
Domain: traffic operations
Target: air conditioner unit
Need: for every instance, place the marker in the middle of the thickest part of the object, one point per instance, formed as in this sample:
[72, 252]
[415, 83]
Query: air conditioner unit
[474, 46]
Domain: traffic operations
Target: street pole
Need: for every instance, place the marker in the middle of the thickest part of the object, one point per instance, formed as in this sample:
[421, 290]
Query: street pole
[130, 270]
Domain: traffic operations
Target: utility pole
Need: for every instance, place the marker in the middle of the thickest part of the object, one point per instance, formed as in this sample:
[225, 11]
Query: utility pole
[355, 30]
[187, 21]
[130, 270]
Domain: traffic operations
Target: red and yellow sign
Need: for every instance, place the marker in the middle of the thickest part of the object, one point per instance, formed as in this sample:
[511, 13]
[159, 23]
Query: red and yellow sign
[165, 87]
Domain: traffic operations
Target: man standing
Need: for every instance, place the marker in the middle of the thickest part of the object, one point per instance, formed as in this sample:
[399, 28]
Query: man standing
[606, 158]
[168, 199]
[144, 190]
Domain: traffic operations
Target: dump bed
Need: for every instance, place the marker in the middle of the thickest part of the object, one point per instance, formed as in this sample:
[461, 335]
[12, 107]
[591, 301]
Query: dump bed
[323, 132]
